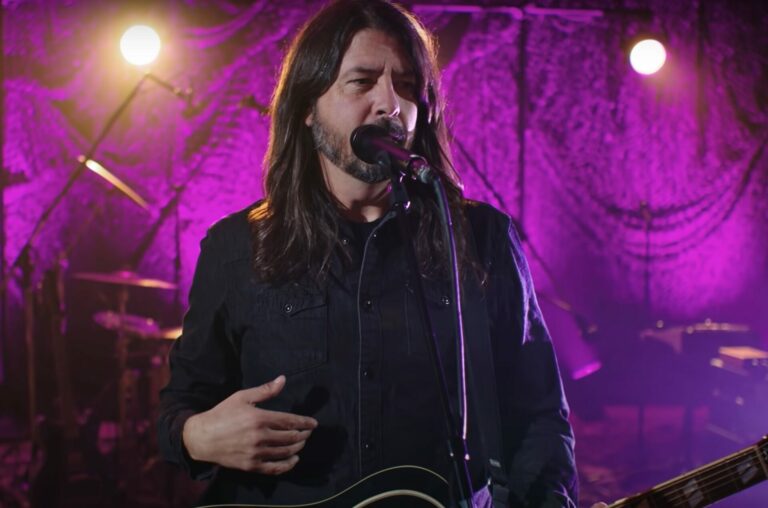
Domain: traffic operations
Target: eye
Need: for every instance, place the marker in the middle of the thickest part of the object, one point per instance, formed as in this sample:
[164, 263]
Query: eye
[362, 81]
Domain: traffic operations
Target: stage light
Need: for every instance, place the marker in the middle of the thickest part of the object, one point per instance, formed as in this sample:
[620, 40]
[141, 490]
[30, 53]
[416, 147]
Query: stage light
[140, 45]
[647, 56]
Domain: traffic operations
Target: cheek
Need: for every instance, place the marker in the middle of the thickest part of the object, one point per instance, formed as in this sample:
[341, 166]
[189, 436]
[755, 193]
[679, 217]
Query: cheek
[409, 112]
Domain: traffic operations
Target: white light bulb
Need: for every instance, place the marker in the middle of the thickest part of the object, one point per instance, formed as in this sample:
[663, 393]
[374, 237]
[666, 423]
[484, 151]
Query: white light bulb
[648, 56]
[140, 45]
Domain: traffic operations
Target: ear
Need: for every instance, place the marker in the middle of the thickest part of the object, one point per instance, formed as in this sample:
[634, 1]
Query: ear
[309, 118]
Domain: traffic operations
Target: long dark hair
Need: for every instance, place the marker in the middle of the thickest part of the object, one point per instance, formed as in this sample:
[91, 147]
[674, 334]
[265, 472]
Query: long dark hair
[295, 229]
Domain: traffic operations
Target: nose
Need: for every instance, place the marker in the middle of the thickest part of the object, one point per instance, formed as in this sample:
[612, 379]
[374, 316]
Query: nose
[386, 101]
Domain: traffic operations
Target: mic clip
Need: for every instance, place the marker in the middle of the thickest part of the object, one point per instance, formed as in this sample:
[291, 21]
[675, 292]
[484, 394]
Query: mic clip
[419, 169]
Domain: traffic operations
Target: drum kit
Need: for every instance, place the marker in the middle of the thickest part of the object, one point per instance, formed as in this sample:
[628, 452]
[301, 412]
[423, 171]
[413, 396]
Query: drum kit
[130, 328]
[125, 449]
[126, 446]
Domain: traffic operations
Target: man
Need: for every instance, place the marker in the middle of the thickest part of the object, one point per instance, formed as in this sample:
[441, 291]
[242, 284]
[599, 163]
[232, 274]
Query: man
[302, 366]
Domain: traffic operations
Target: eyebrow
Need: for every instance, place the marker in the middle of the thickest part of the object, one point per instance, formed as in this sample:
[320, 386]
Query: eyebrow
[370, 70]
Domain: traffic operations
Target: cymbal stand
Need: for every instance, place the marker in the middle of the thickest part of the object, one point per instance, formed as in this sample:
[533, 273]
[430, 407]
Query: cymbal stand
[23, 263]
[123, 384]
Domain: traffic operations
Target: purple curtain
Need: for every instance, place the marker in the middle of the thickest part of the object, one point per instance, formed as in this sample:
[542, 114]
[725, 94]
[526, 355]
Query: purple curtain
[640, 198]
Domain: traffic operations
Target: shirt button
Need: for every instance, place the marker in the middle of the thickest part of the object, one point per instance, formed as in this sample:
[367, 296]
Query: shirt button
[367, 373]
[367, 304]
[367, 446]
[445, 301]
[345, 241]
[288, 308]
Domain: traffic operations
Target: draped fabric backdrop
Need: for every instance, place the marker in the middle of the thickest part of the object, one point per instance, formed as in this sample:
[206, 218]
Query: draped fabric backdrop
[639, 198]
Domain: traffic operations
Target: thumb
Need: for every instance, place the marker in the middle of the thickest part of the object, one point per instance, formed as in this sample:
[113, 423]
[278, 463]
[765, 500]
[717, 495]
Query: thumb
[266, 391]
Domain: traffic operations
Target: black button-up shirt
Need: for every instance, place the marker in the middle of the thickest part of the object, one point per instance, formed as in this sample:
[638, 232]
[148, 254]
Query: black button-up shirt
[356, 360]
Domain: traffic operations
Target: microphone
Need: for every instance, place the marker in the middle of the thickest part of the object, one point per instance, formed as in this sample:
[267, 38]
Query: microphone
[375, 145]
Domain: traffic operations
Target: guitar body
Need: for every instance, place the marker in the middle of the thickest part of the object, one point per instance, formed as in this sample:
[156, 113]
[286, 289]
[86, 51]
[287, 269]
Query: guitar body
[396, 487]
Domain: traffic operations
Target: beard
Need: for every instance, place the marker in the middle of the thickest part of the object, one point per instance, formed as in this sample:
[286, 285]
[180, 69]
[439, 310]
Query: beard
[338, 150]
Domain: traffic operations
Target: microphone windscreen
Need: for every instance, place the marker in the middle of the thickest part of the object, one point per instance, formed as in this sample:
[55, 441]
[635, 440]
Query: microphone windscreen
[368, 141]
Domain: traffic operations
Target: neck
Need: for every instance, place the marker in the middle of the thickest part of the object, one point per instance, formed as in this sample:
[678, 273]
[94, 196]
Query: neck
[356, 200]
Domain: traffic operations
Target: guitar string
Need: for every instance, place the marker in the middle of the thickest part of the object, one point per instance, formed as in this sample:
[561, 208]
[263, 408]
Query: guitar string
[676, 484]
[709, 480]
[668, 491]
[710, 476]
[674, 494]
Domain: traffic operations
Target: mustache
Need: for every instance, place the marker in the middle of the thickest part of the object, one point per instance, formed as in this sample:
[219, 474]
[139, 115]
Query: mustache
[394, 128]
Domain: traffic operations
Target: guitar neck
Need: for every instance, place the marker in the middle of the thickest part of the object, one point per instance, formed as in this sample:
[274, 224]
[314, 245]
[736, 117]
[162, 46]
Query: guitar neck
[707, 484]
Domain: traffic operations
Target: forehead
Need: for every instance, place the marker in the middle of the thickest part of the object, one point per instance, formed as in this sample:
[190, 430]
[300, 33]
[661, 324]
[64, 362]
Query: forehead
[374, 49]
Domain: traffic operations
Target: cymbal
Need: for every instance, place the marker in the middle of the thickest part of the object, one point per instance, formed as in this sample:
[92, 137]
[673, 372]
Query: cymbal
[113, 180]
[674, 335]
[705, 326]
[710, 326]
[125, 278]
[169, 333]
[172, 333]
[130, 323]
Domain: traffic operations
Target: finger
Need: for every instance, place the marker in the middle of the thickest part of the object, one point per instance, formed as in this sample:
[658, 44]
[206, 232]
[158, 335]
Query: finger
[271, 453]
[278, 466]
[274, 437]
[279, 420]
[263, 392]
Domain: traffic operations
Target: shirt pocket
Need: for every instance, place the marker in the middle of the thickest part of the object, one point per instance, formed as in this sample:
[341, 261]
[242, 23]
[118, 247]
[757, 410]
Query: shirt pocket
[291, 330]
[439, 307]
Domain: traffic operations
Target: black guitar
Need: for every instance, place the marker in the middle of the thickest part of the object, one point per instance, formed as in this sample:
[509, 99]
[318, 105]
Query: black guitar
[396, 487]
[417, 487]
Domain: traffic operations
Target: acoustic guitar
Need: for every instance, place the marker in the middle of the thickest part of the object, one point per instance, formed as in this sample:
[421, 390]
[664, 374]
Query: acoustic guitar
[395, 487]
[417, 487]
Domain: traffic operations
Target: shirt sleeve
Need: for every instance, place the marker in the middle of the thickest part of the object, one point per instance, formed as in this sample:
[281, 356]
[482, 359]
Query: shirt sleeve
[537, 437]
[204, 365]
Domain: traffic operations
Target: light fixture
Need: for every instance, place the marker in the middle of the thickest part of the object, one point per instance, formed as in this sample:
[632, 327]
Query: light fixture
[647, 56]
[140, 45]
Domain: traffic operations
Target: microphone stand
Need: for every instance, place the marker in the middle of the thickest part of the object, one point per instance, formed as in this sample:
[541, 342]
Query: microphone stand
[456, 441]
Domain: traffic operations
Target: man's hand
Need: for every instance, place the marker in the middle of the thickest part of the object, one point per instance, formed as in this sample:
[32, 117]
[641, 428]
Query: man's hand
[238, 435]
[599, 505]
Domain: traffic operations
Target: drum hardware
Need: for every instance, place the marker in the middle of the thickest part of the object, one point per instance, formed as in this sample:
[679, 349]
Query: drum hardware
[739, 393]
[677, 359]
[139, 326]
[128, 438]
[690, 338]
[125, 278]
[147, 354]
[23, 265]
